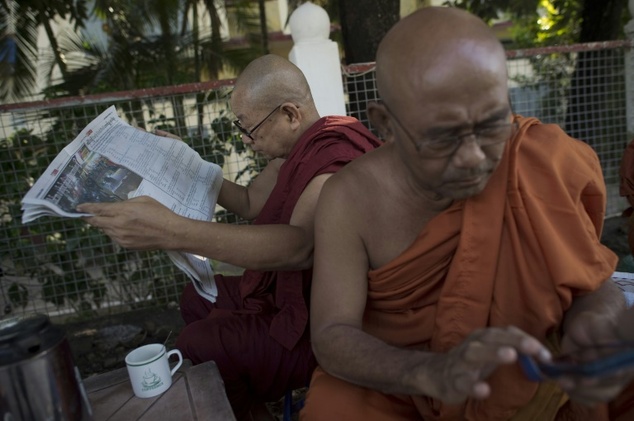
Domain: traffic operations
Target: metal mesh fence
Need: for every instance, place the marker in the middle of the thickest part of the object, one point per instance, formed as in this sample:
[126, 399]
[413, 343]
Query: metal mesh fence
[62, 266]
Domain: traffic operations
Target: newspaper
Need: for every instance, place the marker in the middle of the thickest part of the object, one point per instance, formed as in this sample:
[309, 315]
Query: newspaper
[111, 161]
[625, 281]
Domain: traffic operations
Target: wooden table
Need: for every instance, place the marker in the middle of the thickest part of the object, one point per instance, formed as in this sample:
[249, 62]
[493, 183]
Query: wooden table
[197, 393]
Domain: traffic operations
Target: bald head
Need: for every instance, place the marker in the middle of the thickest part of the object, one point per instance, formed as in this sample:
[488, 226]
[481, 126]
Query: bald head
[271, 80]
[423, 50]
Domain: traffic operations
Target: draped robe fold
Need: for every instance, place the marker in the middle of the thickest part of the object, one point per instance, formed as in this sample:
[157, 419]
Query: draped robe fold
[516, 254]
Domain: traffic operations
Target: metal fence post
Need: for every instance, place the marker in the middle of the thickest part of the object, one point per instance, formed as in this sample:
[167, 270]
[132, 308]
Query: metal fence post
[629, 74]
[318, 57]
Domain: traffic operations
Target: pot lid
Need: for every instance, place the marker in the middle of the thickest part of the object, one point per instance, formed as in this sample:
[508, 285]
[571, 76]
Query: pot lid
[21, 325]
[22, 337]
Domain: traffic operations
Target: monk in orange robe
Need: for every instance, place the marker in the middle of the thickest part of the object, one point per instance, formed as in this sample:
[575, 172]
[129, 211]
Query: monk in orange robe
[470, 237]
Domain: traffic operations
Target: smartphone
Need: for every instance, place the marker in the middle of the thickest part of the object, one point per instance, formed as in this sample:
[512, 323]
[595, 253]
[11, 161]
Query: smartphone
[540, 371]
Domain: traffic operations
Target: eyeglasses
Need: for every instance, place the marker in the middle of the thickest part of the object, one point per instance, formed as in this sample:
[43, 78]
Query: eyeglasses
[249, 133]
[443, 146]
[619, 356]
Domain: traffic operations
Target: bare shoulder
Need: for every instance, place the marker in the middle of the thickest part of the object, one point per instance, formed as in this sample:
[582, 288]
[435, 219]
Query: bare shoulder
[360, 174]
[355, 186]
[365, 201]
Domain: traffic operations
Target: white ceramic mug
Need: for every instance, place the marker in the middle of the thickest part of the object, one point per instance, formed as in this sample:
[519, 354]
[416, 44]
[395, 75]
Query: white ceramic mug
[149, 370]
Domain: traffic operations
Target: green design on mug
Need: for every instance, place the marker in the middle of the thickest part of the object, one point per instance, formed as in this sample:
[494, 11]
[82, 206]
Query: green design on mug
[151, 380]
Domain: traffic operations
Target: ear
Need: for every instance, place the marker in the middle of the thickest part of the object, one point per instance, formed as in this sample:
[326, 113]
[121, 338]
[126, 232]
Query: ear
[380, 120]
[292, 114]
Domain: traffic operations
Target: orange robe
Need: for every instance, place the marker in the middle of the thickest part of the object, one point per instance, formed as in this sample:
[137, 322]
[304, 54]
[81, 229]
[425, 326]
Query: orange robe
[516, 254]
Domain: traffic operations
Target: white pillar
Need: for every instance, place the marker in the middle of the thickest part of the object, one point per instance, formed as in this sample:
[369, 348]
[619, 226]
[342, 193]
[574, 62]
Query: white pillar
[318, 57]
[629, 74]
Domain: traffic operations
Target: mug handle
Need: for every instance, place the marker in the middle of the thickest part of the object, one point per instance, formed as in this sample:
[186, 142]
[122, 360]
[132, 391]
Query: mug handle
[180, 360]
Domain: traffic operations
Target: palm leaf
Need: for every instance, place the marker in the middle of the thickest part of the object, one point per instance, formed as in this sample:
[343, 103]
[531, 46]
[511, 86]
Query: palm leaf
[18, 52]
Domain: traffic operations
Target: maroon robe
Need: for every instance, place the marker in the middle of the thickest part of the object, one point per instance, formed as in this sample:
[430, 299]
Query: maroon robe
[256, 332]
[326, 147]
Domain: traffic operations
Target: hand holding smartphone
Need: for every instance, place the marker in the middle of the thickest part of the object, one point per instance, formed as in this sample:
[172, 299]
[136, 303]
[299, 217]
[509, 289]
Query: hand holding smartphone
[622, 357]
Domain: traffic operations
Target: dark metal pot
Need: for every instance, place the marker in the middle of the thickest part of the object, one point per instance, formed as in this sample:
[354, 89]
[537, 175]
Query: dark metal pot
[38, 378]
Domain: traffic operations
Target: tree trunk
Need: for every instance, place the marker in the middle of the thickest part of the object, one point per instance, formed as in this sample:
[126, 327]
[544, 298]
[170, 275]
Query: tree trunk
[263, 29]
[196, 42]
[215, 67]
[601, 20]
[363, 25]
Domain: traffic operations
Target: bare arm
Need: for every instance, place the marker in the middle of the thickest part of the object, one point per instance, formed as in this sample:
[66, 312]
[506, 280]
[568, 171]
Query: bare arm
[247, 202]
[263, 247]
[342, 348]
[143, 223]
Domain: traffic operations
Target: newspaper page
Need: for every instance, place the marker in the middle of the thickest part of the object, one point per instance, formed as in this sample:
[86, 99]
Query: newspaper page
[111, 161]
[625, 281]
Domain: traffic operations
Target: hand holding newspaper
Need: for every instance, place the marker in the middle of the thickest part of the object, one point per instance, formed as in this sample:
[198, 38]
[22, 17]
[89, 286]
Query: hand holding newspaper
[112, 161]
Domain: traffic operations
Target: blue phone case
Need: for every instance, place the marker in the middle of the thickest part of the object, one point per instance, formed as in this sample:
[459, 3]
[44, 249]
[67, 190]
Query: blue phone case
[538, 371]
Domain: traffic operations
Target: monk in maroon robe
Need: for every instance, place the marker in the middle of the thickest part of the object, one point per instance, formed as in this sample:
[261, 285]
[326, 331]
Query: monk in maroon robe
[256, 332]
[257, 329]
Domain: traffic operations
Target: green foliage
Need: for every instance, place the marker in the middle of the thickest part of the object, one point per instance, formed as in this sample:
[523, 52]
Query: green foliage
[141, 277]
[149, 44]
[535, 22]
[18, 295]
[146, 48]
[555, 22]
[20, 22]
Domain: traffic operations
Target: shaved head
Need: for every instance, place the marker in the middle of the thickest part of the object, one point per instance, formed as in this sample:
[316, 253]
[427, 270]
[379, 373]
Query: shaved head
[271, 80]
[421, 52]
[441, 72]
[272, 95]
